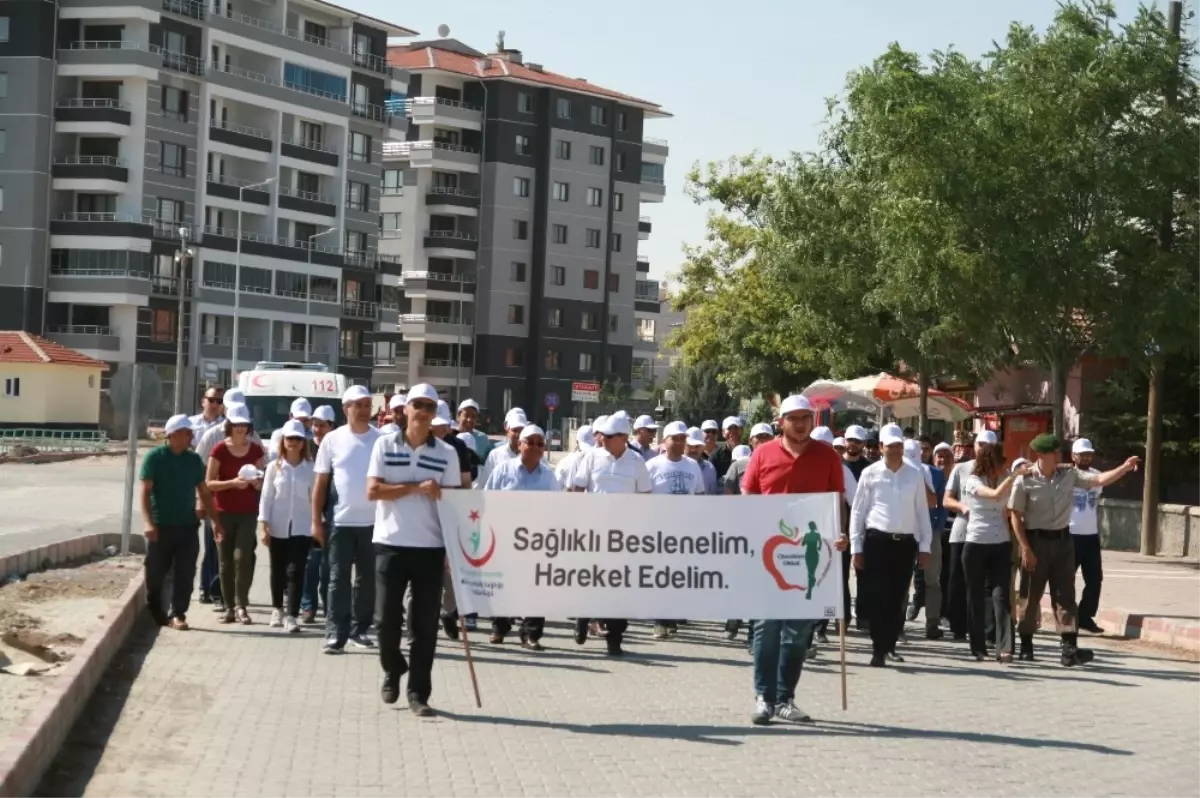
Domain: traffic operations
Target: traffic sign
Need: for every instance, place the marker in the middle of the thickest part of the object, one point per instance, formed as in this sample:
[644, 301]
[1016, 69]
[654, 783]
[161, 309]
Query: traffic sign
[668, 396]
[551, 401]
[211, 370]
[585, 392]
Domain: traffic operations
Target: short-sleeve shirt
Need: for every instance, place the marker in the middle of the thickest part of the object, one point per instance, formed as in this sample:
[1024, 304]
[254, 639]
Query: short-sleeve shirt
[1046, 503]
[680, 477]
[773, 469]
[347, 456]
[468, 461]
[174, 478]
[954, 488]
[709, 474]
[228, 464]
[721, 459]
[733, 477]
[1083, 511]
[513, 475]
[985, 517]
[412, 520]
[599, 472]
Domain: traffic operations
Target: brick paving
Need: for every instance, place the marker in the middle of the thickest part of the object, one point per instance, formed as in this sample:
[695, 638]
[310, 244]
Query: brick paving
[249, 711]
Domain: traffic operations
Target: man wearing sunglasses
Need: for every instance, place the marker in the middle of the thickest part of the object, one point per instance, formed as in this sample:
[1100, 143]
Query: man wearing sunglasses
[406, 476]
[514, 422]
[212, 415]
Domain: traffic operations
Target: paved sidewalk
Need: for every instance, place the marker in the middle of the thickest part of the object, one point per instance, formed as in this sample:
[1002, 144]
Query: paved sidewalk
[249, 711]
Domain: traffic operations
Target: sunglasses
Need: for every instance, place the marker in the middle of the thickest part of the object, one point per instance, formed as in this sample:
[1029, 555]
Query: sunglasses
[424, 407]
[214, 399]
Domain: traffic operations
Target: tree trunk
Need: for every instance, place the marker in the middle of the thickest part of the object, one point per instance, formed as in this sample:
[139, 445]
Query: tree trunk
[1149, 542]
[1058, 391]
[922, 400]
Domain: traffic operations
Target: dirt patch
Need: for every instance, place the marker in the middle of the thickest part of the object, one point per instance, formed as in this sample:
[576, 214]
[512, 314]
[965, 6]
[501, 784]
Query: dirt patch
[43, 621]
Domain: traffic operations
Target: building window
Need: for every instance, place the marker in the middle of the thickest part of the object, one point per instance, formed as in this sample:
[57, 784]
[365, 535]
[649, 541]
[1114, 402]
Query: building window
[162, 326]
[525, 102]
[618, 201]
[357, 196]
[521, 186]
[174, 103]
[520, 229]
[3, 141]
[596, 155]
[172, 157]
[390, 224]
[350, 343]
[645, 330]
[562, 108]
[445, 180]
[558, 275]
[170, 210]
[516, 314]
[593, 239]
[554, 317]
[562, 150]
[612, 324]
[3, 29]
[12, 386]
[3, 84]
[551, 360]
[514, 357]
[562, 191]
[614, 283]
[620, 162]
[591, 278]
[595, 197]
[360, 147]
[588, 322]
[560, 234]
[393, 181]
[586, 361]
[611, 360]
[599, 115]
[640, 369]
[622, 121]
[616, 242]
[356, 242]
[523, 145]
[518, 272]
[312, 134]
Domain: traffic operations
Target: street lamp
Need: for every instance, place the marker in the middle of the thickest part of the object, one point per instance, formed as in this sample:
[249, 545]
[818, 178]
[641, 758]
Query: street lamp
[237, 277]
[181, 257]
[308, 290]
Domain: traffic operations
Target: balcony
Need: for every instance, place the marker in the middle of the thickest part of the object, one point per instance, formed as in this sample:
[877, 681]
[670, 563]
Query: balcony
[218, 348]
[354, 309]
[299, 353]
[417, 284]
[443, 113]
[235, 188]
[652, 188]
[655, 150]
[169, 230]
[180, 62]
[124, 281]
[86, 337]
[161, 285]
[452, 240]
[99, 224]
[367, 111]
[372, 62]
[424, 327]
[456, 197]
[420, 154]
[250, 138]
[185, 8]
[90, 167]
[82, 110]
[441, 371]
[273, 34]
[643, 265]
[115, 59]
[293, 199]
[643, 225]
[307, 150]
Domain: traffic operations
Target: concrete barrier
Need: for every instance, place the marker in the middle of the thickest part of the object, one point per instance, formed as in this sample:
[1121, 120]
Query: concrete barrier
[1178, 527]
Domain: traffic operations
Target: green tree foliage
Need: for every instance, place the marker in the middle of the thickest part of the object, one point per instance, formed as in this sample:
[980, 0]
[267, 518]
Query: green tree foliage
[699, 394]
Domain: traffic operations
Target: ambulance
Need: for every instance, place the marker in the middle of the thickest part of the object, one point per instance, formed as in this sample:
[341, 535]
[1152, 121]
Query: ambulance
[270, 389]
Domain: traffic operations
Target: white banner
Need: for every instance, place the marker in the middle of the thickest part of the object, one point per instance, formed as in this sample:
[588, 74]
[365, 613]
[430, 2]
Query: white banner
[515, 553]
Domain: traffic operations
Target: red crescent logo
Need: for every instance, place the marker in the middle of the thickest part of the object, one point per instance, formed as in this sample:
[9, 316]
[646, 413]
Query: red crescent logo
[480, 561]
[255, 381]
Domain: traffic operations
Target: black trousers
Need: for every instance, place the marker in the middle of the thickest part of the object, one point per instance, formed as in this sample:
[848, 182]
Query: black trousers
[289, 558]
[956, 592]
[988, 569]
[615, 626]
[918, 581]
[531, 628]
[1087, 559]
[889, 562]
[174, 553]
[397, 568]
[846, 559]
[944, 576]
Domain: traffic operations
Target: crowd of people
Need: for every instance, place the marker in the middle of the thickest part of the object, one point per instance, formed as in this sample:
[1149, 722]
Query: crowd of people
[349, 519]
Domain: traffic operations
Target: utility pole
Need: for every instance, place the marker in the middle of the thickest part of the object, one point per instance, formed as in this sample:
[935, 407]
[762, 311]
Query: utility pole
[1166, 241]
[181, 258]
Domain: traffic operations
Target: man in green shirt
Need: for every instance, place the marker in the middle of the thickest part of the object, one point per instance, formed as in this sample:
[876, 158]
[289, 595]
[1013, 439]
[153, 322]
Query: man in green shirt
[172, 479]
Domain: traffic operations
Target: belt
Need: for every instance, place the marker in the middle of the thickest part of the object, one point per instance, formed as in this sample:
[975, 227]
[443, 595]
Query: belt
[1051, 534]
[875, 533]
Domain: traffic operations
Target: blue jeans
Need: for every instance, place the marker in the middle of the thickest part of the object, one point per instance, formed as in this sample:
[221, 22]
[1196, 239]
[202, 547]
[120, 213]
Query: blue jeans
[350, 548]
[210, 566]
[316, 582]
[779, 651]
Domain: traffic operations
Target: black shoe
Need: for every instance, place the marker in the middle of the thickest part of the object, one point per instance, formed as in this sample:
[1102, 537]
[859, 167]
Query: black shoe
[450, 626]
[1072, 655]
[911, 614]
[822, 638]
[878, 661]
[205, 598]
[1026, 652]
[390, 691]
[1090, 626]
[160, 617]
[934, 634]
[581, 632]
[419, 708]
[616, 650]
[960, 638]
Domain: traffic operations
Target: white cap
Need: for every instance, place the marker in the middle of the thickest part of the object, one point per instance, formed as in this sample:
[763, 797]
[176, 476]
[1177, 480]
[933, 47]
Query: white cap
[1082, 446]
[839, 443]
[1020, 461]
[645, 422]
[622, 414]
[912, 451]
[615, 425]
[741, 452]
[238, 414]
[822, 434]
[466, 439]
[389, 428]
[293, 429]
[471, 403]
[301, 408]
[397, 401]
[354, 393]
[234, 395]
[421, 391]
[794, 403]
[598, 425]
[891, 433]
[177, 423]
[584, 437]
[731, 421]
[762, 429]
[515, 419]
[987, 436]
[855, 433]
[442, 419]
[529, 430]
[709, 424]
[520, 410]
[248, 472]
[675, 428]
[325, 413]
[695, 437]
[943, 445]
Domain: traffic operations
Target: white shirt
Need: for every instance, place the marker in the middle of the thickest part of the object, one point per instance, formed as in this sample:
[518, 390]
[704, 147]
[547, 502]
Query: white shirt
[200, 426]
[286, 501]
[513, 475]
[893, 502]
[679, 477]
[985, 521]
[599, 472]
[954, 489]
[564, 468]
[495, 457]
[849, 486]
[214, 435]
[1083, 511]
[276, 437]
[347, 456]
[411, 520]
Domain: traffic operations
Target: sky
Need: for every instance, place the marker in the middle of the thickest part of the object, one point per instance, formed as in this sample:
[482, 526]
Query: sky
[737, 76]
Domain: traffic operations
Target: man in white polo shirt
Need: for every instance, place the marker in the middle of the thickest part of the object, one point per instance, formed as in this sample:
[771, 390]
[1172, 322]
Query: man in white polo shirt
[405, 478]
[610, 467]
[342, 460]
[514, 422]
[1085, 534]
[584, 440]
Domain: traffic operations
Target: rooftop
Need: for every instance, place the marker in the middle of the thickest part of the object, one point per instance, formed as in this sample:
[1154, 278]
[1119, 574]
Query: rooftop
[451, 55]
[22, 347]
[391, 28]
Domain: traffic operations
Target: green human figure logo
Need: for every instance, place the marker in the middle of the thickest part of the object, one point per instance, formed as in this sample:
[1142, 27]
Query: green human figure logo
[812, 543]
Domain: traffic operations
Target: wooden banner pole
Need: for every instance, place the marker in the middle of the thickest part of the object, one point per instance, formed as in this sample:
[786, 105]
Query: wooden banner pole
[462, 627]
[842, 640]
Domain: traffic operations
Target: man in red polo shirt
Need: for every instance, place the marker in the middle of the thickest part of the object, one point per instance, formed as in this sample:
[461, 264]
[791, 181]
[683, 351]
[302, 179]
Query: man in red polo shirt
[792, 463]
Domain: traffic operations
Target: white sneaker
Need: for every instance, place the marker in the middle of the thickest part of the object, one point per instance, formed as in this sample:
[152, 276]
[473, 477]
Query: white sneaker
[762, 712]
[291, 625]
[276, 618]
[790, 712]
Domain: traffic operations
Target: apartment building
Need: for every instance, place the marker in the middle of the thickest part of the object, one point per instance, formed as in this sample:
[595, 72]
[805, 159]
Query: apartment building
[656, 320]
[228, 149]
[515, 205]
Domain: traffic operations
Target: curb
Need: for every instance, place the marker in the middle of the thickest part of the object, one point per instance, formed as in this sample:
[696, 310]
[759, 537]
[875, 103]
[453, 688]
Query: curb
[80, 549]
[60, 457]
[1179, 633]
[29, 751]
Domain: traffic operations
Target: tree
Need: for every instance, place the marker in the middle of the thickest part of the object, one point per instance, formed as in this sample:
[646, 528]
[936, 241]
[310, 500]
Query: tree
[699, 394]
[614, 395]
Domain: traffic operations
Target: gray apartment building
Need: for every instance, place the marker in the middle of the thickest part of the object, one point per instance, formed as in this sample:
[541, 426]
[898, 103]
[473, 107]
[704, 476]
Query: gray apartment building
[515, 205]
[241, 140]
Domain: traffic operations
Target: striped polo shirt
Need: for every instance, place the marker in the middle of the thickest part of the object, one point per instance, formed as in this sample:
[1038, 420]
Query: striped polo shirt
[413, 520]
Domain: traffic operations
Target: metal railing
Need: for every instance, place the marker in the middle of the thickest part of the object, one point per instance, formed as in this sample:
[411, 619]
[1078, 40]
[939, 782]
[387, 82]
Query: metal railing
[53, 440]
[88, 160]
[161, 284]
[180, 62]
[652, 140]
[85, 271]
[442, 363]
[455, 235]
[95, 217]
[300, 87]
[424, 318]
[403, 149]
[371, 61]
[645, 219]
[413, 102]
[233, 182]
[316, 40]
[247, 74]
[91, 102]
[187, 8]
[653, 179]
[391, 235]
[105, 44]
[311, 196]
[243, 343]
[360, 310]
[454, 192]
[367, 111]
[83, 329]
[246, 19]
[306, 144]
[465, 279]
[245, 130]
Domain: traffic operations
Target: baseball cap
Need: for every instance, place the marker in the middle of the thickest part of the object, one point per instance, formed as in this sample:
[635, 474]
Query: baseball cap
[176, 423]
[1082, 446]
[943, 445]
[987, 436]
[248, 472]
[237, 414]
[421, 391]
[294, 429]
[794, 403]
[839, 442]
[584, 437]
[615, 425]
[598, 425]
[397, 401]
[622, 414]
[468, 403]
[301, 408]
[695, 437]
[891, 433]
[1020, 461]
[709, 424]
[442, 419]
[822, 434]
[515, 419]
[762, 429]
[234, 396]
[741, 451]
[325, 413]
[645, 422]
[529, 430]
[731, 421]
[855, 433]
[355, 393]
[912, 451]
[675, 428]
